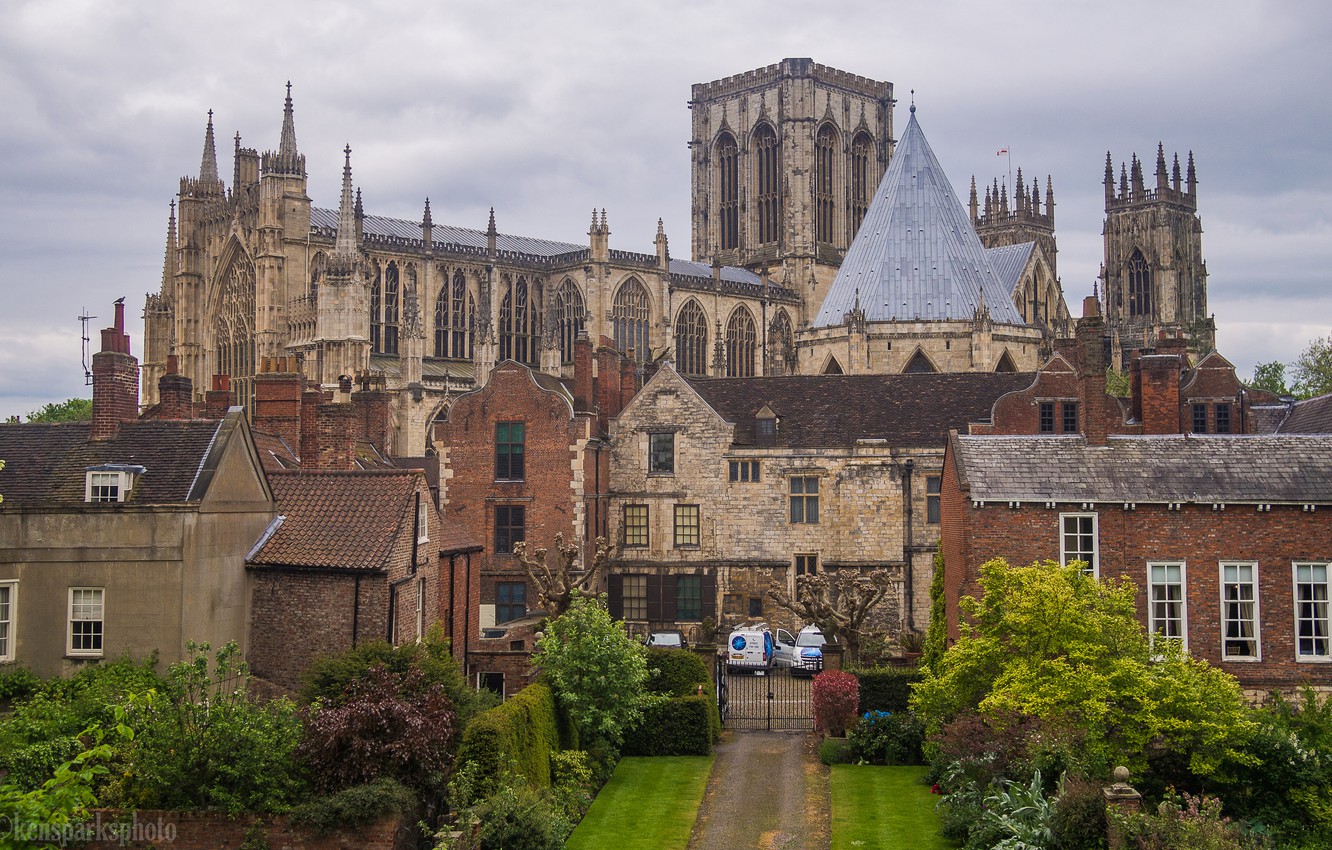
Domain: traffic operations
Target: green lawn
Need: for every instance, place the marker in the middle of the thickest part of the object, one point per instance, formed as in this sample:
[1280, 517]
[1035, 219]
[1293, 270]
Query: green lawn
[884, 807]
[649, 803]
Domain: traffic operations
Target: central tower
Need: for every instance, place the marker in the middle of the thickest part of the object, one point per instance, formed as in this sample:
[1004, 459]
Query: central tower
[785, 161]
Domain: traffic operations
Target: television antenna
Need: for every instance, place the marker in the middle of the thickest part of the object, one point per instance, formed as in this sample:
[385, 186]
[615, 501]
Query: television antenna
[87, 372]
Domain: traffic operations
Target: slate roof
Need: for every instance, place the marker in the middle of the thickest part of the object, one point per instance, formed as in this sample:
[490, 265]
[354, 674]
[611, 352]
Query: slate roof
[47, 463]
[349, 520]
[1311, 416]
[1175, 468]
[444, 235]
[837, 410]
[916, 255]
[733, 274]
[1008, 262]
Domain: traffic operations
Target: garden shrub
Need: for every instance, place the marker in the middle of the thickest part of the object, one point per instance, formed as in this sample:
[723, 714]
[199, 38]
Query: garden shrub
[571, 782]
[1078, 822]
[672, 726]
[675, 672]
[1184, 821]
[522, 730]
[386, 726]
[835, 751]
[835, 696]
[881, 737]
[887, 688]
[355, 806]
[17, 682]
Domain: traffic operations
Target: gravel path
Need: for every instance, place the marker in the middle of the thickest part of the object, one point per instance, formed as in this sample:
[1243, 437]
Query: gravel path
[768, 791]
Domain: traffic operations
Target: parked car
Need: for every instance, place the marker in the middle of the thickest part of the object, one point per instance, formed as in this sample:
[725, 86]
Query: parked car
[809, 649]
[667, 640]
[784, 653]
[749, 648]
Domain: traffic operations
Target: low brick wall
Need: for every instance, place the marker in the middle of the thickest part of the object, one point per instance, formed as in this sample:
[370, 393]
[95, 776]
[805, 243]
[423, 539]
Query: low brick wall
[170, 830]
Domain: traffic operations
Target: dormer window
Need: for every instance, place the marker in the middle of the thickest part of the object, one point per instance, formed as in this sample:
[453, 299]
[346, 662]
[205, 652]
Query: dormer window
[765, 426]
[110, 482]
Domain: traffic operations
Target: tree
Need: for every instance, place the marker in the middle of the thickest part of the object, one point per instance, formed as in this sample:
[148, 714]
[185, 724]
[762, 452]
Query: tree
[1311, 374]
[1271, 377]
[838, 603]
[1052, 644]
[70, 410]
[556, 587]
[596, 670]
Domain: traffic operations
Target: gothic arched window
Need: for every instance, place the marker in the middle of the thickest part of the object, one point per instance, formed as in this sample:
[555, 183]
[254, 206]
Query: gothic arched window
[233, 330]
[376, 311]
[1139, 285]
[442, 321]
[691, 340]
[918, 364]
[825, 151]
[630, 314]
[460, 318]
[740, 344]
[767, 174]
[519, 322]
[569, 315]
[781, 342]
[390, 333]
[862, 149]
[728, 166]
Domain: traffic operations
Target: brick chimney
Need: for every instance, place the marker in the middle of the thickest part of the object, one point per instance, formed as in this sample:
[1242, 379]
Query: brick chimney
[608, 385]
[175, 392]
[628, 382]
[115, 380]
[371, 403]
[1090, 336]
[1159, 391]
[337, 430]
[308, 448]
[218, 399]
[277, 399]
[583, 372]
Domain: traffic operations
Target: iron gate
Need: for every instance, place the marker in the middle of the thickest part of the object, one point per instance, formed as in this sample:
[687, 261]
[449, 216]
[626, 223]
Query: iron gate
[767, 700]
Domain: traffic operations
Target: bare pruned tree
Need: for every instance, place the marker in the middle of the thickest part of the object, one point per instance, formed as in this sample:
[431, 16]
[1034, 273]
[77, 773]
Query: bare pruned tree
[556, 585]
[838, 602]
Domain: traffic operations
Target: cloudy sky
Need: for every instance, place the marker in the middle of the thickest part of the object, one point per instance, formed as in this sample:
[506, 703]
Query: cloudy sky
[544, 110]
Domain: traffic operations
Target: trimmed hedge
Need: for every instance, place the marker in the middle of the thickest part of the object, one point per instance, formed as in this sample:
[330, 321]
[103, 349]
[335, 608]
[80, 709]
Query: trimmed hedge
[886, 688]
[675, 672]
[523, 730]
[679, 726]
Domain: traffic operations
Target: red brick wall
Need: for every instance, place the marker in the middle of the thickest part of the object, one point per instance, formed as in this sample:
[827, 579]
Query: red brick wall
[208, 831]
[277, 404]
[955, 538]
[1196, 535]
[460, 600]
[296, 616]
[546, 493]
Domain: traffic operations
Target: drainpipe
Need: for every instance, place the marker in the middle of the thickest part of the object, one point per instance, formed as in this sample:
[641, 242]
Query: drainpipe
[907, 469]
[356, 609]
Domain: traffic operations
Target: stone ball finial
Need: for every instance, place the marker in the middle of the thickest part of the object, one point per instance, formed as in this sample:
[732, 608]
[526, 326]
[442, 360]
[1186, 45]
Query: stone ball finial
[1121, 774]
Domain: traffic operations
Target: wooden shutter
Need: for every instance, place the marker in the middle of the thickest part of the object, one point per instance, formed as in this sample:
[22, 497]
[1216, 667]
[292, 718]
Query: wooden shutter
[615, 594]
[654, 598]
[709, 595]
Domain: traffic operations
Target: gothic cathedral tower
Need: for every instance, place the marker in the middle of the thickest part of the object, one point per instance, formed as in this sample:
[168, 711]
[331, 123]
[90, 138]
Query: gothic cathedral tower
[785, 162]
[1154, 274]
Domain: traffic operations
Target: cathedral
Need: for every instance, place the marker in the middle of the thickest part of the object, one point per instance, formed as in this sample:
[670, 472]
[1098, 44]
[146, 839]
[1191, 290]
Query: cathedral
[820, 244]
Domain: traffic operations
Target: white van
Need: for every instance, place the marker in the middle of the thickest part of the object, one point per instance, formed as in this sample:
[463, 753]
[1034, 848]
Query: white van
[757, 648]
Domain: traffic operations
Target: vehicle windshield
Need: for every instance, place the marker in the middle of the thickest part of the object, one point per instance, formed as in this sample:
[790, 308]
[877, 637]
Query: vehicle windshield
[810, 639]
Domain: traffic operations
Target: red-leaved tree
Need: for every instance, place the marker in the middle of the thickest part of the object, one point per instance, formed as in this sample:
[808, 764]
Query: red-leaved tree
[836, 698]
[391, 725]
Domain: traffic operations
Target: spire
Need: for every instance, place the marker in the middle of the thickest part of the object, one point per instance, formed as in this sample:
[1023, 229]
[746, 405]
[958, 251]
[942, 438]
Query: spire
[989, 204]
[346, 243]
[1161, 174]
[425, 220]
[1123, 182]
[1049, 198]
[1175, 172]
[1192, 176]
[1035, 196]
[1019, 194]
[491, 233]
[1109, 179]
[208, 164]
[973, 205]
[287, 146]
[169, 262]
[1003, 200]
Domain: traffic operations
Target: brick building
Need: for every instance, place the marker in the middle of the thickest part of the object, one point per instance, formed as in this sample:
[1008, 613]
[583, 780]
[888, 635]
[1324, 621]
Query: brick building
[1222, 530]
[723, 489]
[522, 459]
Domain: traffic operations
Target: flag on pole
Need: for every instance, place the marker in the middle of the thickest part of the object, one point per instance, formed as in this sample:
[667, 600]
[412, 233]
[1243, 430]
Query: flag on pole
[1001, 152]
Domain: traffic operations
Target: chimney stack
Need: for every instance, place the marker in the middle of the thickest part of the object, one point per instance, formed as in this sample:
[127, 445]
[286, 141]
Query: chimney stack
[583, 372]
[115, 380]
[175, 392]
[277, 399]
[1090, 335]
[218, 399]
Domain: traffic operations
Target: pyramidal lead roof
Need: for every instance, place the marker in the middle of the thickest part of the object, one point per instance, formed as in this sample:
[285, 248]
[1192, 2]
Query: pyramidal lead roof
[916, 255]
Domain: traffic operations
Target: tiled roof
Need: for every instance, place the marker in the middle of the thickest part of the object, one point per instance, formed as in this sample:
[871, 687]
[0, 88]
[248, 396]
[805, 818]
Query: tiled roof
[347, 520]
[48, 463]
[1009, 261]
[837, 410]
[444, 235]
[457, 536]
[916, 255]
[734, 274]
[1185, 468]
[1311, 416]
[274, 453]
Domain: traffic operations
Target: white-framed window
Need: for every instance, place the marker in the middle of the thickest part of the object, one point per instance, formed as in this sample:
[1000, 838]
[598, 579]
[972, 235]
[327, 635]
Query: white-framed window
[8, 615]
[420, 609]
[1311, 612]
[1166, 607]
[1077, 541]
[1240, 640]
[109, 482]
[422, 519]
[85, 621]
